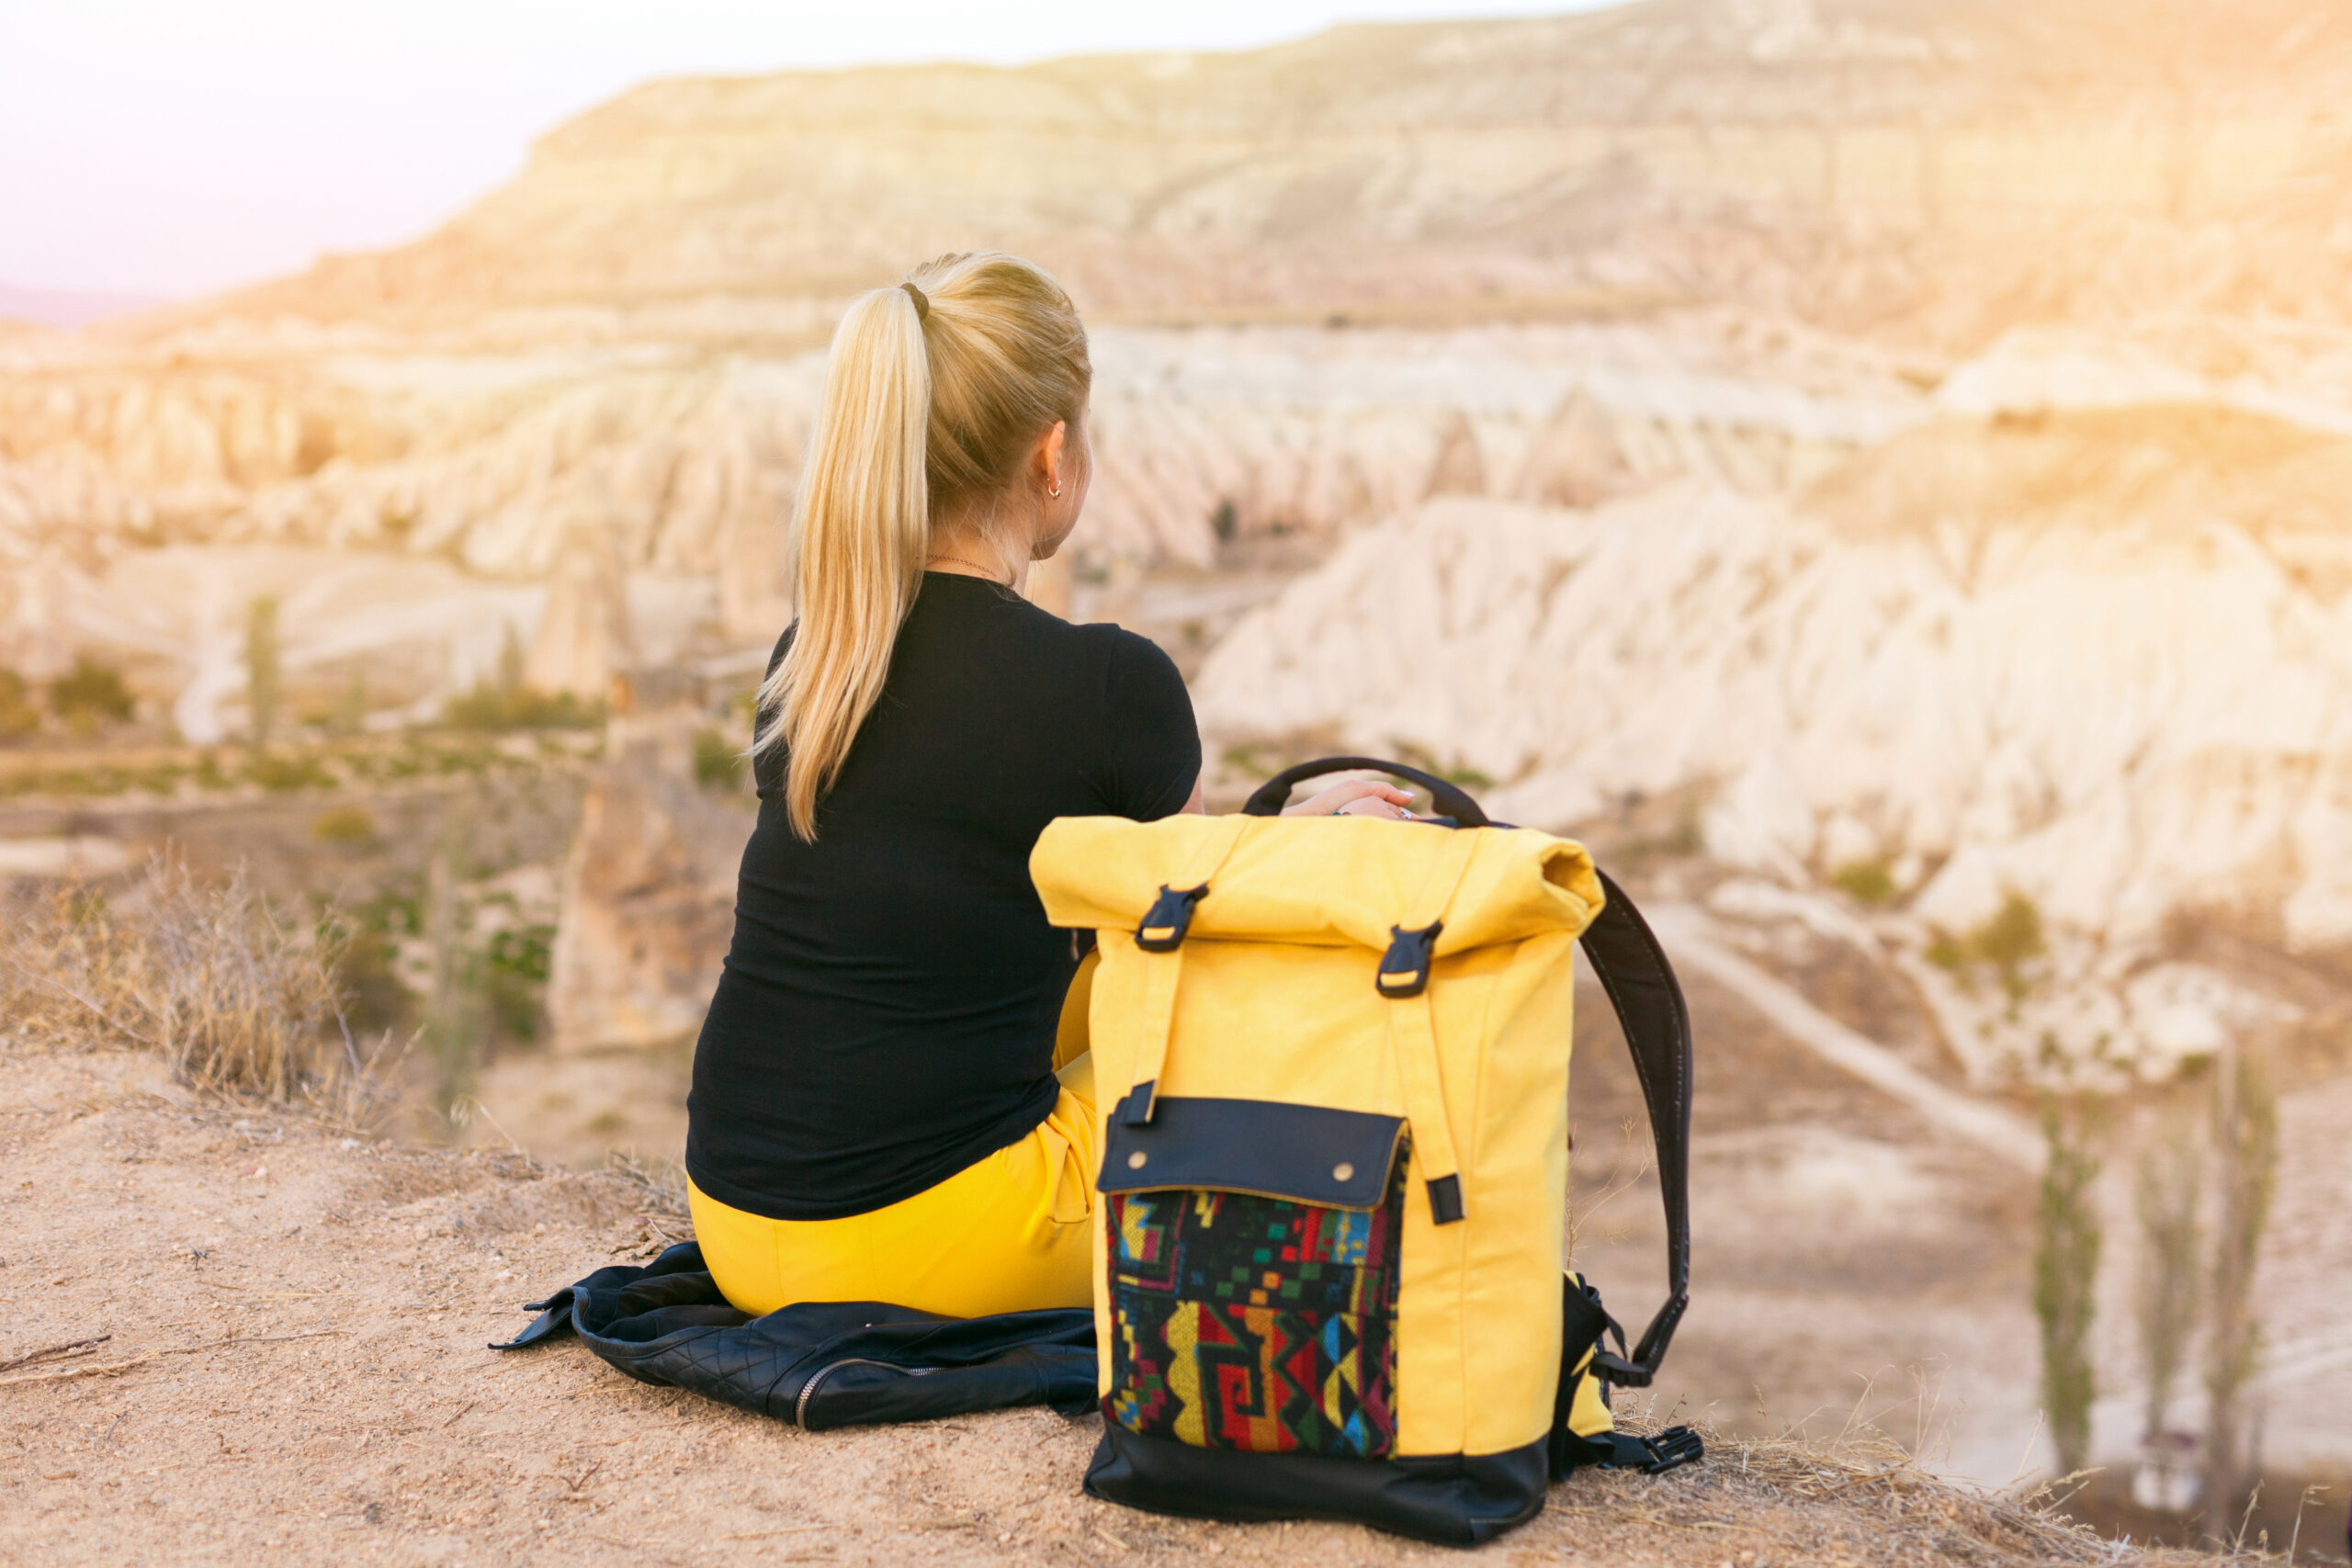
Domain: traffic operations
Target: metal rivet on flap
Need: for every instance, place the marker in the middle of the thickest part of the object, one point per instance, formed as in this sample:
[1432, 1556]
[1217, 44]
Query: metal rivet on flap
[1135, 1160]
[1342, 1171]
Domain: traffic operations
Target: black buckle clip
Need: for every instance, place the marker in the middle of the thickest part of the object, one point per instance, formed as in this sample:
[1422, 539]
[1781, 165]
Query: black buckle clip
[1170, 915]
[1657, 1454]
[1404, 968]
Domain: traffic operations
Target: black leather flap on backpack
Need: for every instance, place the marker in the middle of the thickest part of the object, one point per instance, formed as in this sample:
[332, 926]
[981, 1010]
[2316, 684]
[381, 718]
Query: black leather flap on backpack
[1308, 1154]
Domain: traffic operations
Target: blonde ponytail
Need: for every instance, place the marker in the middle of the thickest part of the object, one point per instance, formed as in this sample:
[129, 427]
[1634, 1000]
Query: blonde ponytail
[933, 390]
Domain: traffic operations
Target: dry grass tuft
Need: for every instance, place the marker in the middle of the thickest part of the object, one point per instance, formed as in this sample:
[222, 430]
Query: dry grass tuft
[240, 999]
[659, 1183]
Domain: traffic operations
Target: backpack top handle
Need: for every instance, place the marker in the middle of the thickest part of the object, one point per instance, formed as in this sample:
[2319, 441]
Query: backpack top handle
[1450, 800]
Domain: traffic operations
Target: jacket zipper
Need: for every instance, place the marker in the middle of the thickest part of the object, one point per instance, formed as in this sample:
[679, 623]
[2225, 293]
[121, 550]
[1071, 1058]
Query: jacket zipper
[809, 1389]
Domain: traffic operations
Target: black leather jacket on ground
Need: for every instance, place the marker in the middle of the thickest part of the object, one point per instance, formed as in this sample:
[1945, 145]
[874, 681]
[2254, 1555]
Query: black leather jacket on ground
[817, 1364]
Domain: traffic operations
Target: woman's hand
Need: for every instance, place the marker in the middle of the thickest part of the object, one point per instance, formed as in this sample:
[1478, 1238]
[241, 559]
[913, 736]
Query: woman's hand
[1356, 797]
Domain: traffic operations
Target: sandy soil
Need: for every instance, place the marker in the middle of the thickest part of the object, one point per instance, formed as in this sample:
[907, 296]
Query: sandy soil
[297, 1371]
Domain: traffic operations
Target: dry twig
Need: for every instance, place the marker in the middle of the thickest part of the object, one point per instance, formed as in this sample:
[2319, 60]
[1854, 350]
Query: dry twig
[111, 1369]
[54, 1352]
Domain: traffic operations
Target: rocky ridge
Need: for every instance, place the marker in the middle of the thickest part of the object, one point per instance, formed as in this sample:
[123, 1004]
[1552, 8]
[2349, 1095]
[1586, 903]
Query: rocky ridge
[1946, 164]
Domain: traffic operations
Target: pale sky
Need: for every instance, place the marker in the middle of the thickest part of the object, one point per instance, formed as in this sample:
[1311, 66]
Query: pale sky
[168, 147]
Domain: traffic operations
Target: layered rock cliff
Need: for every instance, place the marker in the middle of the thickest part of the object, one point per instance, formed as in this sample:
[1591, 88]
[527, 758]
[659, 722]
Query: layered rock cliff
[2101, 661]
[1949, 164]
[673, 471]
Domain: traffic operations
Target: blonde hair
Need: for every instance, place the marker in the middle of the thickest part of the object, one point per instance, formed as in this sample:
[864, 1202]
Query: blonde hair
[929, 407]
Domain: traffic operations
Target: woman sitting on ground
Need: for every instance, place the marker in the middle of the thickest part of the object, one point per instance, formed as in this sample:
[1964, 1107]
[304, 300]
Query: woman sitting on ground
[876, 1112]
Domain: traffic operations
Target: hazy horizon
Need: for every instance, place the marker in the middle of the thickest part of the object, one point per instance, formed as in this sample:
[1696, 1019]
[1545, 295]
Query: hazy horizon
[144, 152]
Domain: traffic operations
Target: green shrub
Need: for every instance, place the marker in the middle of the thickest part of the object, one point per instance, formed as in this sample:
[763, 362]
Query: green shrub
[261, 688]
[2010, 937]
[2010, 940]
[17, 714]
[1868, 881]
[278, 772]
[719, 761]
[513, 974]
[344, 825]
[90, 695]
[492, 706]
[2013, 935]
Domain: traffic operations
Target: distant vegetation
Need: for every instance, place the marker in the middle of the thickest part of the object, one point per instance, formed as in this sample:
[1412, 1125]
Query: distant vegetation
[506, 701]
[2068, 1238]
[718, 761]
[280, 771]
[2243, 1123]
[494, 707]
[2009, 939]
[344, 825]
[17, 714]
[261, 669]
[88, 695]
[2167, 1291]
[511, 973]
[85, 699]
[358, 761]
[1868, 882]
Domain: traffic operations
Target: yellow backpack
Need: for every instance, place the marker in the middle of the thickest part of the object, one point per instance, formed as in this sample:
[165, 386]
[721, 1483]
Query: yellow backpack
[1332, 1058]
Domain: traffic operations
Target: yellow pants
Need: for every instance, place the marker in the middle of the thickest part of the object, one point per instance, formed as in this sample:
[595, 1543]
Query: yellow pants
[1007, 1233]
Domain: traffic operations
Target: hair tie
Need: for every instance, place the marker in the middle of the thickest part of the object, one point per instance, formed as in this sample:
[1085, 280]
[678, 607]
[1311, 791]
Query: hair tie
[922, 306]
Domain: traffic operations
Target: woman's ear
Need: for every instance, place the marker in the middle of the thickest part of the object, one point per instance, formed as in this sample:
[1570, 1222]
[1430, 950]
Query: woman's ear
[1053, 461]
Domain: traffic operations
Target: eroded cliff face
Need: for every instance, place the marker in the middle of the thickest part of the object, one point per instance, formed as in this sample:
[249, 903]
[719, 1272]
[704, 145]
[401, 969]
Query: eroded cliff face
[2099, 659]
[671, 474]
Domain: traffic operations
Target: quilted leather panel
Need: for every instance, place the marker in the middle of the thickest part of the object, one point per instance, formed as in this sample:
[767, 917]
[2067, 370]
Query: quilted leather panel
[819, 1364]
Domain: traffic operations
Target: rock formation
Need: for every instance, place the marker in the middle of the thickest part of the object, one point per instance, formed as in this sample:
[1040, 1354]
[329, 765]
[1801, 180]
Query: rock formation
[600, 470]
[647, 899]
[2103, 660]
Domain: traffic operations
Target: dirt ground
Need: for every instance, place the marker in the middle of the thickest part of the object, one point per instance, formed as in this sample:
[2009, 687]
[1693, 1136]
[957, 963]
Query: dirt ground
[294, 1370]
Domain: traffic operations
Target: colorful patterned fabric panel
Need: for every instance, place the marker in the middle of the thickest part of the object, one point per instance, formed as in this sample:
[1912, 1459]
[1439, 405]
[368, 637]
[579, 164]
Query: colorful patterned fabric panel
[1241, 1322]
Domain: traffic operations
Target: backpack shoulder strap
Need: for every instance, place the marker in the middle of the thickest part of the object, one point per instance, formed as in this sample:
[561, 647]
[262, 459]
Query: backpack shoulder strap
[1625, 954]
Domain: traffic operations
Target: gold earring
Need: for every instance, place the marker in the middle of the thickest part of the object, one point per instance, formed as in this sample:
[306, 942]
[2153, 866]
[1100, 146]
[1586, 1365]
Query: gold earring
[1056, 490]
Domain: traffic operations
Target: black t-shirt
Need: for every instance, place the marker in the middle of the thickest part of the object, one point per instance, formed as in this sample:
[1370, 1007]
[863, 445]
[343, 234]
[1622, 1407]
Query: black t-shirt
[887, 1012]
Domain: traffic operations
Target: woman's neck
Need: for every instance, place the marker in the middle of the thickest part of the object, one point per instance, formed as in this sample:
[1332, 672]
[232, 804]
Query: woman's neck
[965, 551]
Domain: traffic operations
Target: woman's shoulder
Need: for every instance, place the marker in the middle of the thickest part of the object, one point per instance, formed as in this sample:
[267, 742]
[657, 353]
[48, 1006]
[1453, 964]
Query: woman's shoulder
[1132, 657]
[1124, 665]
[1125, 659]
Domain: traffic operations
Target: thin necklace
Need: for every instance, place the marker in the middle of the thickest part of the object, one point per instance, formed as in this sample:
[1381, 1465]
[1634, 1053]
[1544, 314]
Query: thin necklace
[990, 573]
